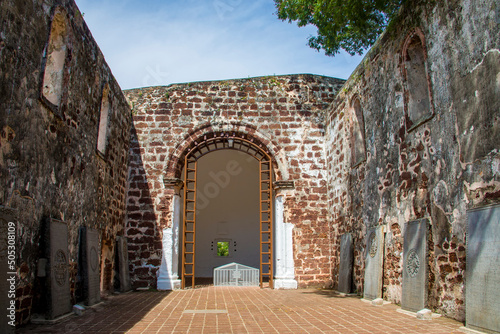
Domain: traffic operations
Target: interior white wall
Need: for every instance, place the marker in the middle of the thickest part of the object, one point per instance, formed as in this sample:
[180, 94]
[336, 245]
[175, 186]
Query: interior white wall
[227, 208]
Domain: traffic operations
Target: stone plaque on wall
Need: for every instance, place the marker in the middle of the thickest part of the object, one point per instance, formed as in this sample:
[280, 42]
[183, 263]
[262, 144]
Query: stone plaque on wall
[346, 259]
[58, 274]
[415, 260]
[482, 291]
[91, 265]
[123, 269]
[374, 263]
[7, 273]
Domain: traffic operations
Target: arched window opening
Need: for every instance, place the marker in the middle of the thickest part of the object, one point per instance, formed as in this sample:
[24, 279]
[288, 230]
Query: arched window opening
[103, 122]
[56, 53]
[418, 102]
[358, 153]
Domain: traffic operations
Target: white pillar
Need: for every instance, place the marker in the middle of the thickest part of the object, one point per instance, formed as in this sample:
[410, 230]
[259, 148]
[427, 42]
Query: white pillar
[168, 277]
[284, 276]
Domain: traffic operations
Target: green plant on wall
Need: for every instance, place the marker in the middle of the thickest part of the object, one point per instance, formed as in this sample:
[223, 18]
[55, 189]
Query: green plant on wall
[132, 108]
[273, 82]
[222, 248]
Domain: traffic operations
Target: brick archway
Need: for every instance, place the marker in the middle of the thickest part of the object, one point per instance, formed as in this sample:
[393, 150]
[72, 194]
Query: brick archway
[244, 131]
[205, 145]
[168, 278]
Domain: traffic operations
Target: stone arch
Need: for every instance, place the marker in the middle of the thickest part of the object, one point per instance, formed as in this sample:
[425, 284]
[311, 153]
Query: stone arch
[176, 160]
[418, 104]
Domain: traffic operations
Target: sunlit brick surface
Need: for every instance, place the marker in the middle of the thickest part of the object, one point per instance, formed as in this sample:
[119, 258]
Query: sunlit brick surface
[249, 310]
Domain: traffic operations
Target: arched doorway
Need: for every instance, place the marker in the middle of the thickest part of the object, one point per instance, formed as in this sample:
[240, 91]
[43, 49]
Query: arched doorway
[198, 149]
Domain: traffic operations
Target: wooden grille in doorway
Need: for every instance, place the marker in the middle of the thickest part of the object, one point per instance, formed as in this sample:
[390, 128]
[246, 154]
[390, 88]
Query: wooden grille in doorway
[227, 141]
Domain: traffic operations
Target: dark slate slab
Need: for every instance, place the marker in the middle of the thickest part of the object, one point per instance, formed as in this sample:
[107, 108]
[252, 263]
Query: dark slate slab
[6, 216]
[374, 263]
[91, 260]
[58, 273]
[415, 265]
[123, 268]
[346, 261]
[482, 290]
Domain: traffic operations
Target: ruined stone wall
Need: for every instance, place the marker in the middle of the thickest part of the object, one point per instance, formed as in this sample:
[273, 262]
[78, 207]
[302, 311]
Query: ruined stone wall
[54, 83]
[284, 113]
[431, 138]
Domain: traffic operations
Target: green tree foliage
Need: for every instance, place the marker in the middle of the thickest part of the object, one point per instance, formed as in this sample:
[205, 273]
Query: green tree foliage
[222, 248]
[352, 25]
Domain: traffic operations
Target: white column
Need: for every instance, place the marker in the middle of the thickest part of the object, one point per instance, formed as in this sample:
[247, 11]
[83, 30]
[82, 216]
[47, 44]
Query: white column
[168, 277]
[284, 276]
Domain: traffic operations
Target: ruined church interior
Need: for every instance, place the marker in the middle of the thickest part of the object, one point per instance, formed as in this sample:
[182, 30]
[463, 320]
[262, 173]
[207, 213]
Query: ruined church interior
[384, 185]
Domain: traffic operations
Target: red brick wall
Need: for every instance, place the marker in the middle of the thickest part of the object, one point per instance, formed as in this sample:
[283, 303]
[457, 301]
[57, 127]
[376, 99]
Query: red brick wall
[285, 113]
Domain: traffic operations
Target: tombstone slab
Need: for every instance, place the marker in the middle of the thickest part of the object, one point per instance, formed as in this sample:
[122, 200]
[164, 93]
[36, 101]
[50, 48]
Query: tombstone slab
[482, 292]
[91, 260]
[58, 272]
[415, 261]
[374, 262]
[123, 269]
[7, 216]
[346, 260]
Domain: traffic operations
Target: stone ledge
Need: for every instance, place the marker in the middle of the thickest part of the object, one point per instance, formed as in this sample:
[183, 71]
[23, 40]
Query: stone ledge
[470, 330]
[376, 301]
[285, 284]
[168, 284]
[416, 314]
[42, 321]
[350, 294]
[283, 185]
[173, 183]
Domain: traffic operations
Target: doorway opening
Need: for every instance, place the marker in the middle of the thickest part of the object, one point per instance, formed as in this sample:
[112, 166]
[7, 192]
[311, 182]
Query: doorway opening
[227, 215]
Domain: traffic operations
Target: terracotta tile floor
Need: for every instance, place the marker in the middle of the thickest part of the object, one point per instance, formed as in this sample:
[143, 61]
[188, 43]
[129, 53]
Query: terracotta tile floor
[243, 310]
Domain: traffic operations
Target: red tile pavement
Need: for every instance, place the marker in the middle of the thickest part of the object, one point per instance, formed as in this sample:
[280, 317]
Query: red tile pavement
[243, 310]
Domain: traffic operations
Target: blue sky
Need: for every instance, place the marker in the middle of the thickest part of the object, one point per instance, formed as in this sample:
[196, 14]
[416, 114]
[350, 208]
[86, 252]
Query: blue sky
[159, 42]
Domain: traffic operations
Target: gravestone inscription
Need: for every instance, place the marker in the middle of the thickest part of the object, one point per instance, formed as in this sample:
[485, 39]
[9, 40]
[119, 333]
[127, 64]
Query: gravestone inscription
[58, 273]
[415, 270]
[482, 292]
[91, 260]
[346, 260]
[123, 268]
[374, 262]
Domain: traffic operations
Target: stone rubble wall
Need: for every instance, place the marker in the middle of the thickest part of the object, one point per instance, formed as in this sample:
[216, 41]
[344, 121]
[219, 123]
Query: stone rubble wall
[49, 166]
[285, 113]
[441, 168]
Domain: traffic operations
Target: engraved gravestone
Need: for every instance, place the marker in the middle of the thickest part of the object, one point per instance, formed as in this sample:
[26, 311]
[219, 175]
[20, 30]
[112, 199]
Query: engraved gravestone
[8, 311]
[346, 259]
[123, 269]
[414, 296]
[58, 273]
[374, 261]
[482, 291]
[90, 260]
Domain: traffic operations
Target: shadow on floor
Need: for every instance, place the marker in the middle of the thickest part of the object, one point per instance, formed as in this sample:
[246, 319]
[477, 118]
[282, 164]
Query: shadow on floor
[330, 293]
[116, 313]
